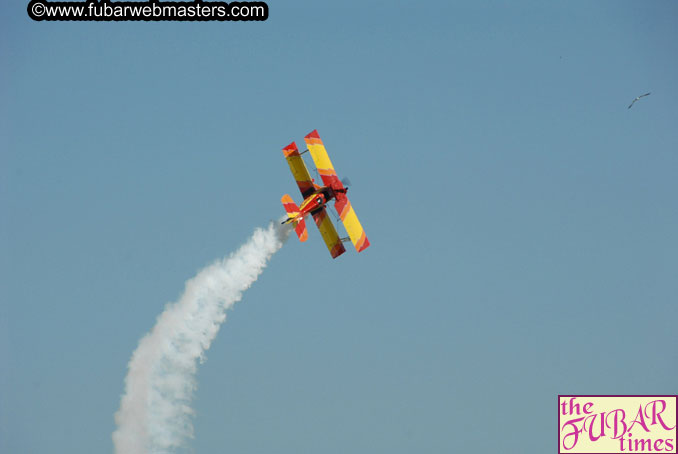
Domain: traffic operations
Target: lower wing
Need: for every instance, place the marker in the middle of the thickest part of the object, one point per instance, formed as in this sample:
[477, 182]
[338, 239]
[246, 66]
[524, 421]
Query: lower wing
[329, 233]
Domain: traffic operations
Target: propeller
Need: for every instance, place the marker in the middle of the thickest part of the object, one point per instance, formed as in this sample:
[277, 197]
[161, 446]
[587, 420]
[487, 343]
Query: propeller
[346, 182]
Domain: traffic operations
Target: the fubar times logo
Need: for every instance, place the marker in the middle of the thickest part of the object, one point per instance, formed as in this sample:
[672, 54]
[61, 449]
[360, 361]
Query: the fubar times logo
[617, 424]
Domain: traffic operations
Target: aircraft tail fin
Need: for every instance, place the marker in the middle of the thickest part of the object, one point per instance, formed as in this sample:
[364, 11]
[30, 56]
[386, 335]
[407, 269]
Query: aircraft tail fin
[293, 217]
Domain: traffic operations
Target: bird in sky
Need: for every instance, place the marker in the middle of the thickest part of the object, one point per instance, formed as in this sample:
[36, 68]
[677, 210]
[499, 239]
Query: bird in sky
[630, 105]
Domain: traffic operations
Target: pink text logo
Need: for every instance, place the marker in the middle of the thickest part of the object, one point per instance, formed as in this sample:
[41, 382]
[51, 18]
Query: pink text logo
[617, 424]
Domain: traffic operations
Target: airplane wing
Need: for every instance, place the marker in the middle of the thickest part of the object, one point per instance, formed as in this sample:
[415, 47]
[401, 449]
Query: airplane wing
[351, 223]
[330, 178]
[299, 170]
[321, 159]
[329, 233]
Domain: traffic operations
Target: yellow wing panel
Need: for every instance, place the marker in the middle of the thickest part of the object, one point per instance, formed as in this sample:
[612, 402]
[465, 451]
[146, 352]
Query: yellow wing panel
[352, 224]
[329, 233]
[299, 170]
[320, 158]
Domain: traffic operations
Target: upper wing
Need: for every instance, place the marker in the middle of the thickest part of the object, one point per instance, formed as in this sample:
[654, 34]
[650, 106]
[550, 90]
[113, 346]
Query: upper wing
[330, 178]
[299, 170]
[351, 223]
[329, 233]
[321, 159]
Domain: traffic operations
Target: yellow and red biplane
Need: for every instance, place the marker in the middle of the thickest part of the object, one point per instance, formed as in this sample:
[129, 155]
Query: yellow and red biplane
[316, 197]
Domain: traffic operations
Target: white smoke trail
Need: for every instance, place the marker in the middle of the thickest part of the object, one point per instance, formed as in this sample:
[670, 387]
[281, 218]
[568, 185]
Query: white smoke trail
[155, 411]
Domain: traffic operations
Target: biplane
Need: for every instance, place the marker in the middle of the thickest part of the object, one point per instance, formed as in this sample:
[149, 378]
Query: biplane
[317, 197]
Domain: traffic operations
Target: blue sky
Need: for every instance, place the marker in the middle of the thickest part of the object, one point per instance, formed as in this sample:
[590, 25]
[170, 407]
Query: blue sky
[523, 220]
